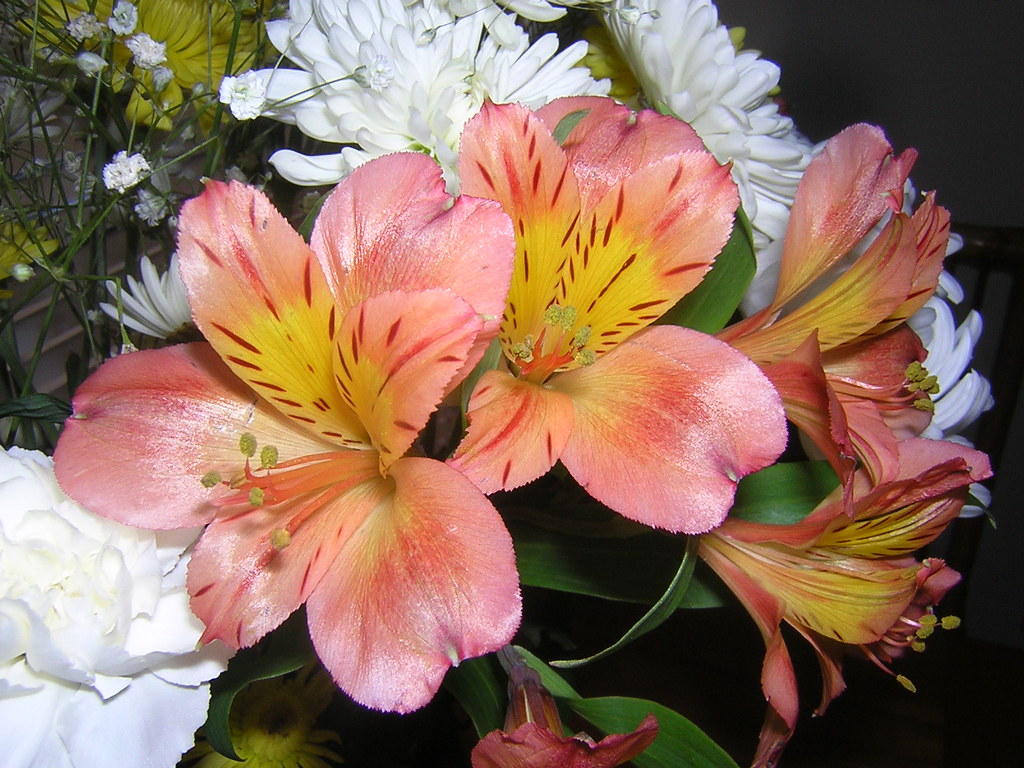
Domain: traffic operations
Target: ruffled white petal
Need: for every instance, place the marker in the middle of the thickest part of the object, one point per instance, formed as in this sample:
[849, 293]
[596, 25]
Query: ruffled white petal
[382, 76]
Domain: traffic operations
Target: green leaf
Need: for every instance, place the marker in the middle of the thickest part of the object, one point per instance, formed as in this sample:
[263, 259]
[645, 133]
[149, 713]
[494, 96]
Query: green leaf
[632, 569]
[680, 743]
[567, 124]
[475, 684]
[710, 305]
[285, 650]
[608, 567]
[37, 406]
[491, 357]
[306, 227]
[783, 494]
[659, 612]
[550, 679]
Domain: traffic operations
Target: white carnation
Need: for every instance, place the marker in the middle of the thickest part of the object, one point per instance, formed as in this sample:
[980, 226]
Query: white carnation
[98, 659]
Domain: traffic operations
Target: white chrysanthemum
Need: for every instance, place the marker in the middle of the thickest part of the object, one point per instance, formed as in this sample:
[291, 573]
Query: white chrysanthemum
[245, 95]
[98, 659]
[963, 394]
[124, 18]
[157, 306]
[685, 60]
[125, 171]
[385, 76]
[147, 53]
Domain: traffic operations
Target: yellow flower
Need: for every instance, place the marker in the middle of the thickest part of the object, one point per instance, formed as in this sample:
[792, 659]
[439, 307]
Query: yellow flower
[197, 35]
[272, 725]
[19, 245]
[604, 60]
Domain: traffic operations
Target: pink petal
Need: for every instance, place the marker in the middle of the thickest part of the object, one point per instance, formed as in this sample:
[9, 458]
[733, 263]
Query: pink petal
[243, 585]
[429, 579]
[613, 142]
[843, 192]
[813, 406]
[395, 354]
[146, 428]
[390, 226]
[517, 430]
[259, 296]
[667, 423]
[532, 745]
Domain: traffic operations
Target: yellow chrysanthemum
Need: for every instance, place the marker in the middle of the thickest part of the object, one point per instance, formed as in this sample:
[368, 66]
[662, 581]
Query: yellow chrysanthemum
[272, 725]
[197, 35]
[604, 60]
[18, 245]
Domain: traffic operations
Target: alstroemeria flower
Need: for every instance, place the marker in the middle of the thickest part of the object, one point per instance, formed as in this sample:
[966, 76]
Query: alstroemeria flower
[847, 345]
[533, 734]
[845, 580]
[289, 433]
[613, 227]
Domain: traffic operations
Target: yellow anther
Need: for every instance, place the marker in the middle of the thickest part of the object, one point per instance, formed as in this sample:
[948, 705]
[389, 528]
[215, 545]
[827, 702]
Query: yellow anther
[582, 337]
[915, 371]
[523, 350]
[924, 404]
[247, 445]
[950, 622]
[585, 357]
[924, 632]
[917, 645]
[280, 538]
[928, 620]
[256, 497]
[553, 315]
[210, 479]
[268, 457]
[906, 683]
[568, 319]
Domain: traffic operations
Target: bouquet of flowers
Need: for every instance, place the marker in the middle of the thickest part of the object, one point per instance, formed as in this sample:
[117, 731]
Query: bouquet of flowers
[444, 307]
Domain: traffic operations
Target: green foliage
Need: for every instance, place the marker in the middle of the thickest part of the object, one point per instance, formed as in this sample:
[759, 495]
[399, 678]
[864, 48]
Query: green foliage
[284, 650]
[783, 494]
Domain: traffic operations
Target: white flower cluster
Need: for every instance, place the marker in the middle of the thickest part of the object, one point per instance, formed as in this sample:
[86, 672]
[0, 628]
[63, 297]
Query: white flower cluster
[125, 171]
[123, 18]
[385, 75]
[686, 62]
[98, 659]
[147, 53]
[245, 95]
[84, 26]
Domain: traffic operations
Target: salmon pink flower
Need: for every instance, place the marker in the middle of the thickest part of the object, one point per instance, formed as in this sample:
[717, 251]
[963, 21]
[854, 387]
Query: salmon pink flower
[291, 433]
[533, 734]
[839, 356]
[846, 580]
[614, 224]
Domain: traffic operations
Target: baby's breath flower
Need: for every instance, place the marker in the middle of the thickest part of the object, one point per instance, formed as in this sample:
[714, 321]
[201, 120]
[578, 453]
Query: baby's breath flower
[90, 63]
[245, 95]
[146, 52]
[151, 207]
[125, 171]
[124, 18]
[84, 26]
[162, 77]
